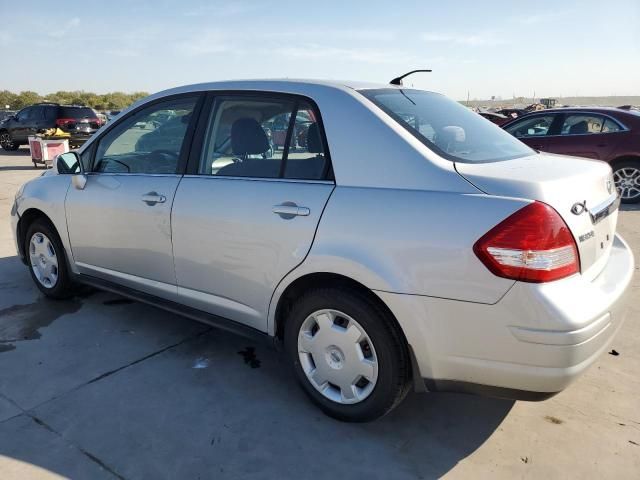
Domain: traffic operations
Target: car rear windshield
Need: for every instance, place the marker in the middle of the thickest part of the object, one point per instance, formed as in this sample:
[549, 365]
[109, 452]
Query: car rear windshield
[76, 112]
[446, 127]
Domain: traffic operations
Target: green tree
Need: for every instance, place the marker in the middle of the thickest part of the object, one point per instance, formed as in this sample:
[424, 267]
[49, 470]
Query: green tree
[27, 98]
[7, 98]
[105, 101]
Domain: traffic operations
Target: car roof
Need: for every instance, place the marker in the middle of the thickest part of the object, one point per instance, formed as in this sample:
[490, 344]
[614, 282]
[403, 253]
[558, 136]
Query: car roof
[283, 85]
[584, 109]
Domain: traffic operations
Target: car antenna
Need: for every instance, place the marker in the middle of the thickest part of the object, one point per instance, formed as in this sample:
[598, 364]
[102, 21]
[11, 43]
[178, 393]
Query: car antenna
[398, 80]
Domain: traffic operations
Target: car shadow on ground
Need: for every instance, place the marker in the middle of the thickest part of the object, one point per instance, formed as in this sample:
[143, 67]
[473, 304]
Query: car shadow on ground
[6, 168]
[21, 152]
[209, 404]
[629, 207]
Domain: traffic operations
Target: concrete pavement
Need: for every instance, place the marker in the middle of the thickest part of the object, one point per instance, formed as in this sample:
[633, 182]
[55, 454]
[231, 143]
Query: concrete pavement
[102, 387]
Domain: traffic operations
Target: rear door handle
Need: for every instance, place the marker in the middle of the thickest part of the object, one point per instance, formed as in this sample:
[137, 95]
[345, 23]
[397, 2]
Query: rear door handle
[152, 198]
[289, 210]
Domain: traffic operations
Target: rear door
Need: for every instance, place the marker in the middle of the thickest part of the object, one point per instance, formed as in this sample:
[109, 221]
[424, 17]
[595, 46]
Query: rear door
[247, 212]
[587, 135]
[534, 130]
[120, 222]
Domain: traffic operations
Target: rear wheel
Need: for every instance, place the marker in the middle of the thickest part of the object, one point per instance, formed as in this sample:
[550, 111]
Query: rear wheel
[347, 354]
[47, 260]
[626, 175]
[7, 143]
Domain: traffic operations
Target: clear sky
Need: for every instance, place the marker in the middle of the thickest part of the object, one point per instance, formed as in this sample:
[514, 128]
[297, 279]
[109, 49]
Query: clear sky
[501, 48]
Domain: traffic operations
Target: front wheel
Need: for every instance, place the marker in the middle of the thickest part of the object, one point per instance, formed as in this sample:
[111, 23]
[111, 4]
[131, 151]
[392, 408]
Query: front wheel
[47, 260]
[347, 354]
[626, 175]
[7, 143]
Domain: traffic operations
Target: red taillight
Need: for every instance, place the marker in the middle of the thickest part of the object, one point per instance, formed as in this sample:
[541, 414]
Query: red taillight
[532, 245]
[63, 122]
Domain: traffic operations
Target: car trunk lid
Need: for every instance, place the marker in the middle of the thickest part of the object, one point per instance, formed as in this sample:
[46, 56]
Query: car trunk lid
[580, 190]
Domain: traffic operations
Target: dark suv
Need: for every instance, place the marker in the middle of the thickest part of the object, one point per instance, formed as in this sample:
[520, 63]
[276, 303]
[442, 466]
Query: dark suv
[80, 122]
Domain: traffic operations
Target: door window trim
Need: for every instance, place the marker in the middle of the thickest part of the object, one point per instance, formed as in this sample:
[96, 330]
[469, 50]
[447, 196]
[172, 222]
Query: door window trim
[559, 118]
[552, 128]
[586, 113]
[198, 141]
[187, 142]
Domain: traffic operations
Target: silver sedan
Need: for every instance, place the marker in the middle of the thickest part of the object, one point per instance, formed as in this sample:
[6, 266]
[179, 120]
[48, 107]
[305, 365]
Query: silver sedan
[386, 238]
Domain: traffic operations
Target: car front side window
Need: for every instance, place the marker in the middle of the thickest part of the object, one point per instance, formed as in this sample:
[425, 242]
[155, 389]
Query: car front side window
[531, 127]
[149, 141]
[23, 114]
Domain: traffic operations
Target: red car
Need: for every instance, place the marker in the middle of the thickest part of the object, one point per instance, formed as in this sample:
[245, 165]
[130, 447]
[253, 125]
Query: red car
[496, 118]
[609, 134]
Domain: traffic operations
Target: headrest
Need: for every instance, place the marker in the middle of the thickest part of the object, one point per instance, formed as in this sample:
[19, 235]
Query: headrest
[314, 142]
[580, 127]
[248, 137]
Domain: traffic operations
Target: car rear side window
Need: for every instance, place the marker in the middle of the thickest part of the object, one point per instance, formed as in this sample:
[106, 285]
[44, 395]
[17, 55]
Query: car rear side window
[263, 137]
[578, 124]
[446, 127]
[610, 126]
[51, 113]
[36, 114]
[149, 141]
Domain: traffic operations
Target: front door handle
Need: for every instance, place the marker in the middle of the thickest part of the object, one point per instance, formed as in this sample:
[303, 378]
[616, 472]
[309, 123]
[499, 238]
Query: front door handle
[289, 210]
[152, 198]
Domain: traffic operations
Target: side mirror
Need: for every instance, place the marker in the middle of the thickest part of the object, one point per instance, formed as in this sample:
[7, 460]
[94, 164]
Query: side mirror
[69, 164]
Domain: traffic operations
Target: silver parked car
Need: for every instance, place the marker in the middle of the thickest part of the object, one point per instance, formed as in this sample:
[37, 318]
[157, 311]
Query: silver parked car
[388, 239]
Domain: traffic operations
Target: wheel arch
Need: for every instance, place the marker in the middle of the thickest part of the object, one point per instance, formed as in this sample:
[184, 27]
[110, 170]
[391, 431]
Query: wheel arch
[26, 219]
[314, 280]
[330, 279]
[624, 158]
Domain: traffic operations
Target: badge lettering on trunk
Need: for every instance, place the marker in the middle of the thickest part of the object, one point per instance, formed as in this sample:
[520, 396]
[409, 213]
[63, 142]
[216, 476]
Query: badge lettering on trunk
[579, 208]
[586, 236]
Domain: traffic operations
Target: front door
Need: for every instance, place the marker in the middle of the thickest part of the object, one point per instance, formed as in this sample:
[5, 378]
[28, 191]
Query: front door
[534, 130]
[247, 214]
[120, 223]
[22, 126]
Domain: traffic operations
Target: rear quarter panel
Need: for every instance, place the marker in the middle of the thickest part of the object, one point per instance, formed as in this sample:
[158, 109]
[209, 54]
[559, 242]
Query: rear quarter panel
[408, 241]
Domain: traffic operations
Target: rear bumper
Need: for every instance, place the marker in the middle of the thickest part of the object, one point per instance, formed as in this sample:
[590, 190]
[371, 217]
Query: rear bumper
[79, 139]
[537, 339]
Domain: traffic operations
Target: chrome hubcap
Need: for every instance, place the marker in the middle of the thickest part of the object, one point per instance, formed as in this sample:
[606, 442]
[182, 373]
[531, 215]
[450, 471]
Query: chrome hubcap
[44, 261]
[627, 182]
[337, 356]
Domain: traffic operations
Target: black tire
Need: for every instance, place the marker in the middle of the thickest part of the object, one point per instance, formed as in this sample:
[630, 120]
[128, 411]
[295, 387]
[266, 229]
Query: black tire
[63, 287]
[627, 166]
[7, 143]
[391, 350]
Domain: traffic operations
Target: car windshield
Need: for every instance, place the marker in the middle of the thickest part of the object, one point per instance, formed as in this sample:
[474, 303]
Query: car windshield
[446, 127]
